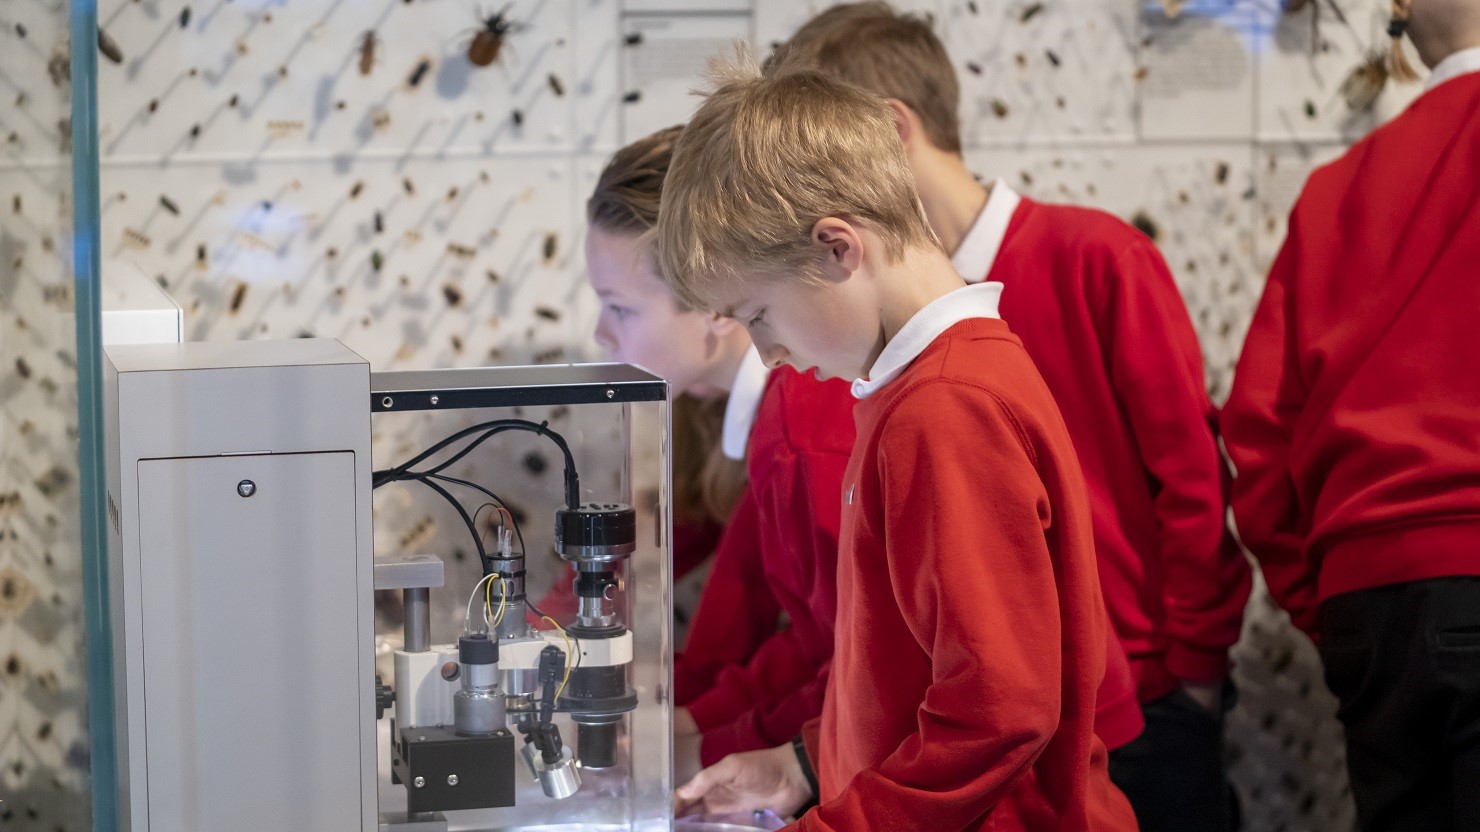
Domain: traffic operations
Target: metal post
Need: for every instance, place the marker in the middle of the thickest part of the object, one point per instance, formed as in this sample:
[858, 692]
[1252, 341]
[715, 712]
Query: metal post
[418, 624]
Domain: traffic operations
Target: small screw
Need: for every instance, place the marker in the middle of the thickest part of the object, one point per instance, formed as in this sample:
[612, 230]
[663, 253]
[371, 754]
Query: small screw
[452, 779]
[434, 399]
[386, 402]
[246, 488]
[419, 782]
[610, 393]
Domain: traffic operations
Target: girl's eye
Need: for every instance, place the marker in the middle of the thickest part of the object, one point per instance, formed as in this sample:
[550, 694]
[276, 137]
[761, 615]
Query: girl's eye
[622, 313]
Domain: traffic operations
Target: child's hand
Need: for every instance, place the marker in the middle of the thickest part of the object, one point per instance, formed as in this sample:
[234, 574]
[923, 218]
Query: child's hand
[770, 779]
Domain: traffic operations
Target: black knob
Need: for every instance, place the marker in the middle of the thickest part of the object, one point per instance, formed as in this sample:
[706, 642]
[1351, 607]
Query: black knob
[384, 697]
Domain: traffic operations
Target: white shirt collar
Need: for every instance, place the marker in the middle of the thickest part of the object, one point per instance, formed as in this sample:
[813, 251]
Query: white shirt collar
[745, 400]
[1460, 63]
[920, 331]
[978, 249]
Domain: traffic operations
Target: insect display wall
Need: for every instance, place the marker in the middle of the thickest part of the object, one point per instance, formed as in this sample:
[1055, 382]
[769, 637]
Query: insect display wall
[409, 176]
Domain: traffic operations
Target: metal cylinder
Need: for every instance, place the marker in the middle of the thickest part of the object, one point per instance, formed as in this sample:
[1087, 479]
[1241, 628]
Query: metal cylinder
[478, 713]
[418, 624]
[560, 779]
[597, 744]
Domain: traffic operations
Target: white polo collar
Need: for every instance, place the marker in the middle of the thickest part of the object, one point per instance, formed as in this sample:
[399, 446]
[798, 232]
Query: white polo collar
[1460, 63]
[920, 331]
[978, 250]
[745, 400]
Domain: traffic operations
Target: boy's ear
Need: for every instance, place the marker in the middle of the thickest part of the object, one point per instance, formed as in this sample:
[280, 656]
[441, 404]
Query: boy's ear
[720, 326]
[905, 121]
[842, 247]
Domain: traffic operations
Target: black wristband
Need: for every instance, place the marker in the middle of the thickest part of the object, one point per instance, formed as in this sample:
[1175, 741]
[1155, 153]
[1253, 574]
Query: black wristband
[800, 748]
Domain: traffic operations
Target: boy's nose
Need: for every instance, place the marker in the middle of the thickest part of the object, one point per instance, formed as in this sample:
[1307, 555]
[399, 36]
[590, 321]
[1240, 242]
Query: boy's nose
[774, 355]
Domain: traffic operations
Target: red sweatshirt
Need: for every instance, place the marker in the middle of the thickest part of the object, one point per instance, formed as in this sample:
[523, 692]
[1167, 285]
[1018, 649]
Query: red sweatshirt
[1354, 422]
[1097, 309]
[971, 629]
[747, 684]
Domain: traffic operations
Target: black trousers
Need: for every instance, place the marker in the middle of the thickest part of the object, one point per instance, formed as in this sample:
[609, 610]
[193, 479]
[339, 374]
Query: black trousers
[1405, 662]
[1174, 773]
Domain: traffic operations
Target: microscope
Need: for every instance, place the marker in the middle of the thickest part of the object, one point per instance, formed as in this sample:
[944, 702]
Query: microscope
[242, 573]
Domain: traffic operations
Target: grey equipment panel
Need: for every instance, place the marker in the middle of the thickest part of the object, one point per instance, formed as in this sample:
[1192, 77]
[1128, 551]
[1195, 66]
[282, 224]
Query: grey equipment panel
[236, 588]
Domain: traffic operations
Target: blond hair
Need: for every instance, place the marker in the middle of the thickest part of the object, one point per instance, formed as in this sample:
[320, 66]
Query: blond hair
[706, 483]
[761, 162]
[888, 53]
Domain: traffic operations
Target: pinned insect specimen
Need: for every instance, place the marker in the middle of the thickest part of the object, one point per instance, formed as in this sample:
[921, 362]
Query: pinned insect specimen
[1052, 56]
[518, 117]
[414, 79]
[137, 239]
[1144, 224]
[367, 52]
[999, 108]
[461, 252]
[238, 295]
[1365, 83]
[488, 43]
[109, 47]
[452, 294]
[547, 313]
[185, 17]
[20, 30]
[634, 39]
[379, 223]
[356, 189]
[551, 247]
[377, 260]
[408, 186]
[632, 97]
[169, 205]
[1031, 11]
[976, 68]
[556, 85]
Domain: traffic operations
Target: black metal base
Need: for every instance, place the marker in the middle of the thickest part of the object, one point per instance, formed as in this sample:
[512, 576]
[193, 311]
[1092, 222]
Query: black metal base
[456, 772]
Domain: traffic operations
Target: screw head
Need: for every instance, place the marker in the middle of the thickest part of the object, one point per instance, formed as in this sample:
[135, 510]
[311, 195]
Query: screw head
[610, 393]
[452, 779]
[419, 782]
[435, 399]
[246, 488]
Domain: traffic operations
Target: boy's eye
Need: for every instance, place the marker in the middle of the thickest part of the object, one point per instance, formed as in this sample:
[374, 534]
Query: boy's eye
[756, 319]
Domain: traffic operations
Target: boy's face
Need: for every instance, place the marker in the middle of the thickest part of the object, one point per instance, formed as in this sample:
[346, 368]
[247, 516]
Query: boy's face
[832, 326]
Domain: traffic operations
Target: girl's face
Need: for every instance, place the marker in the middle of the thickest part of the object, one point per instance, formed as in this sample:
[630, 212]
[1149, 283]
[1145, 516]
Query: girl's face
[641, 323]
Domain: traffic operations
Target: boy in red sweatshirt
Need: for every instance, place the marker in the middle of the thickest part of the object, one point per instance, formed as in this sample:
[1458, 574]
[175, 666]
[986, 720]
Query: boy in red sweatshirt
[743, 681]
[1354, 424]
[971, 634]
[1097, 310]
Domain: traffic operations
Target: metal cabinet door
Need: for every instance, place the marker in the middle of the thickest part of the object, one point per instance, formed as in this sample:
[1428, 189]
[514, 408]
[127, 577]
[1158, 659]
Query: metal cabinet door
[252, 656]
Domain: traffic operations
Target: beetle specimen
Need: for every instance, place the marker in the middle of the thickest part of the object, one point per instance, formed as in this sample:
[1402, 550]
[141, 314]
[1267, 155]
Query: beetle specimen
[419, 73]
[488, 43]
[169, 205]
[109, 47]
[185, 17]
[367, 52]
[556, 85]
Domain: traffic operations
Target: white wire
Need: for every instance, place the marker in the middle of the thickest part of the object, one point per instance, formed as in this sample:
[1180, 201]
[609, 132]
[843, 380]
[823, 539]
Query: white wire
[471, 598]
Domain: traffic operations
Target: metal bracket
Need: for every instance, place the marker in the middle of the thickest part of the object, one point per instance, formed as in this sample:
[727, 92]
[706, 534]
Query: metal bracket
[408, 572]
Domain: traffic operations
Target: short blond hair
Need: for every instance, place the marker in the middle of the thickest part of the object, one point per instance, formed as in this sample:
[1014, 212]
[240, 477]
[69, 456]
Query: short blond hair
[761, 162]
[889, 53]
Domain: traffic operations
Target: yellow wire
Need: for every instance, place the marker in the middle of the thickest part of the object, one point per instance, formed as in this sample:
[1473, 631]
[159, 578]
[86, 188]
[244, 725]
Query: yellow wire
[503, 599]
[569, 655]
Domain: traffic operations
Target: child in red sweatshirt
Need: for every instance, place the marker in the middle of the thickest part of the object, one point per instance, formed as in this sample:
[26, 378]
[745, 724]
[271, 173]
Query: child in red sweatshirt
[1354, 424]
[743, 681]
[971, 634]
[1097, 310]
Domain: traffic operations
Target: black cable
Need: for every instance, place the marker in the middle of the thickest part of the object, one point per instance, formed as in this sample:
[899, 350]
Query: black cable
[472, 529]
[572, 478]
[519, 533]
